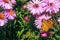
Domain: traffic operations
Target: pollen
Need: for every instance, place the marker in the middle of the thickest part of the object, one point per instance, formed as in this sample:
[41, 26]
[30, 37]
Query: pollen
[46, 25]
[1, 16]
[5, 1]
[11, 12]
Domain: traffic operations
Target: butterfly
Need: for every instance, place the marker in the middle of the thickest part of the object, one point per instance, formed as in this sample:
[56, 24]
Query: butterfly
[46, 25]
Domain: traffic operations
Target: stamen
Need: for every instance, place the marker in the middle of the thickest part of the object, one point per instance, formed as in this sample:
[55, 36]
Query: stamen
[1, 16]
[11, 12]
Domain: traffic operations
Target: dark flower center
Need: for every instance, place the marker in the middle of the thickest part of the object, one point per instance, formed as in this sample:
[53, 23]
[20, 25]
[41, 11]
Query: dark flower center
[35, 5]
[1, 9]
[5, 1]
[50, 4]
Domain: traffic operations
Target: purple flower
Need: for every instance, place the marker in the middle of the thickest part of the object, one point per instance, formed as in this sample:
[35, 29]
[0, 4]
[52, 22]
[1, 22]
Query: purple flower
[7, 4]
[51, 5]
[35, 7]
[3, 20]
[10, 14]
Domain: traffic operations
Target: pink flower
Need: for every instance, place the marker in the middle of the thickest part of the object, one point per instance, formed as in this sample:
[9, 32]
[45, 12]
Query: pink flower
[13, 1]
[51, 5]
[10, 14]
[3, 20]
[38, 21]
[24, 6]
[7, 4]
[35, 7]
[58, 20]
[44, 34]
[1, 2]
[26, 18]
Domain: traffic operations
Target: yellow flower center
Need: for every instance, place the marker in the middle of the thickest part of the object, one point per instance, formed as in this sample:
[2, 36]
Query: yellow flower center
[1, 16]
[11, 12]
[46, 25]
[5, 1]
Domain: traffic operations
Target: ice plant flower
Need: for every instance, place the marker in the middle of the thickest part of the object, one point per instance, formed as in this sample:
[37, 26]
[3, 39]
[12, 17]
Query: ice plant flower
[51, 5]
[3, 20]
[35, 7]
[10, 14]
[38, 21]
